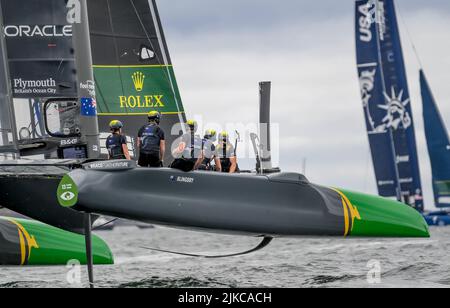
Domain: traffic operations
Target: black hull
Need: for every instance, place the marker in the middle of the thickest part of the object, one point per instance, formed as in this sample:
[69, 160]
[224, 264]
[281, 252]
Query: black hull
[278, 205]
[31, 191]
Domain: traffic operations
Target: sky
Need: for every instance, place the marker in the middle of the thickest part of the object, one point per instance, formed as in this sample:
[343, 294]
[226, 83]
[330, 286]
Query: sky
[222, 49]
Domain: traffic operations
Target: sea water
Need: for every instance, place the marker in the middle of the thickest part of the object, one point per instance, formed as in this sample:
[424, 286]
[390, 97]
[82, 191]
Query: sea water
[304, 262]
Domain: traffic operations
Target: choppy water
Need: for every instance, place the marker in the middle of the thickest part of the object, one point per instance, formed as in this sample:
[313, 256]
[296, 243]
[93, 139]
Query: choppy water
[317, 262]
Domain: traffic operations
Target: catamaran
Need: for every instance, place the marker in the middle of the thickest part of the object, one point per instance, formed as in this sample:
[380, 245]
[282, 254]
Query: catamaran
[388, 112]
[132, 74]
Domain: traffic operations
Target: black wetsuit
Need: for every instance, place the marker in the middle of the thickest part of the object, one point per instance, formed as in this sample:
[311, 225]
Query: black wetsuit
[114, 144]
[151, 136]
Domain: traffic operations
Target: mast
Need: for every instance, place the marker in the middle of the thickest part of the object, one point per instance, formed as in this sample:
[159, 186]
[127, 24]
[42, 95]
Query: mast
[264, 125]
[7, 114]
[265, 88]
[85, 77]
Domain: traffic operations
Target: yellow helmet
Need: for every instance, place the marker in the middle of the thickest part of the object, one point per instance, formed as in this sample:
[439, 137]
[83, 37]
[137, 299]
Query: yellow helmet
[116, 125]
[224, 136]
[154, 116]
[210, 133]
[193, 125]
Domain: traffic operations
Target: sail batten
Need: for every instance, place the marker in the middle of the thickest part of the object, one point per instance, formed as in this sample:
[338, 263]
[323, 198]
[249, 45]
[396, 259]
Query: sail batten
[438, 143]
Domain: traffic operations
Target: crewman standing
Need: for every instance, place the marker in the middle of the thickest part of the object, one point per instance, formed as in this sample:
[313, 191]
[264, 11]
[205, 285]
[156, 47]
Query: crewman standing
[116, 143]
[151, 142]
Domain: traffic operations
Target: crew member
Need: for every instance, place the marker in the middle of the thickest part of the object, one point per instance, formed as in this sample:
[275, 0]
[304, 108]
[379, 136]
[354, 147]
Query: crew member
[151, 142]
[227, 154]
[209, 152]
[116, 143]
[188, 153]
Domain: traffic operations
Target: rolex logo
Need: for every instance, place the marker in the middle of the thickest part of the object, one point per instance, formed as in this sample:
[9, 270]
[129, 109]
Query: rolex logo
[138, 80]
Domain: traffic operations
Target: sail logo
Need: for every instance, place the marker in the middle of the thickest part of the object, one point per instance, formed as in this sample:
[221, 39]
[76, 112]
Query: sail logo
[367, 84]
[138, 81]
[397, 115]
[38, 31]
[89, 86]
[371, 12]
[138, 101]
[367, 81]
[365, 22]
[47, 86]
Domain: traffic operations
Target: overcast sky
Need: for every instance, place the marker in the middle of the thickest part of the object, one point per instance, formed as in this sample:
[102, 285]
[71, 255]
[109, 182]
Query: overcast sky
[222, 49]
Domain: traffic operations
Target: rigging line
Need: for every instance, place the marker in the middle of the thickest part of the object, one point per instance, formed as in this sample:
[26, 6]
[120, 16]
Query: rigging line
[410, 39]
[116, 47]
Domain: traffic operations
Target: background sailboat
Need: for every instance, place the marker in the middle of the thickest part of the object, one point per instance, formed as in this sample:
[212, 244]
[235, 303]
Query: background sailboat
[386, 101]
[438, 142]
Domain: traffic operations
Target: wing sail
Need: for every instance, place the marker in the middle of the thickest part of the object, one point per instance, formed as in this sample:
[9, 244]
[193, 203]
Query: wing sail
[132, 66]
[438, 144]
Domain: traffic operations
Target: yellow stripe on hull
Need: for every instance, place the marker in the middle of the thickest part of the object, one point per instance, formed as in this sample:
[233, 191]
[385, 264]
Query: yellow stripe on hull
[350, 212]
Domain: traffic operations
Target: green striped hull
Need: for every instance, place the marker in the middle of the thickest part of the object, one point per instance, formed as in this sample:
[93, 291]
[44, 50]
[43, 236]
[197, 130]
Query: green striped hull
[372, 216]
[26, 242]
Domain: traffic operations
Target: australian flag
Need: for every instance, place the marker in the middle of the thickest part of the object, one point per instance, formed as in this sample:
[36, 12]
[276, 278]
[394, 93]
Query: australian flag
[88, 107]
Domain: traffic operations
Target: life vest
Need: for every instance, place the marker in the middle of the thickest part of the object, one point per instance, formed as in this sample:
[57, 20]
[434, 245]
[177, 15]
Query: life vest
[114, 144]
[194, 147]
[209, 150]
[225, 151]
[151, 140]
